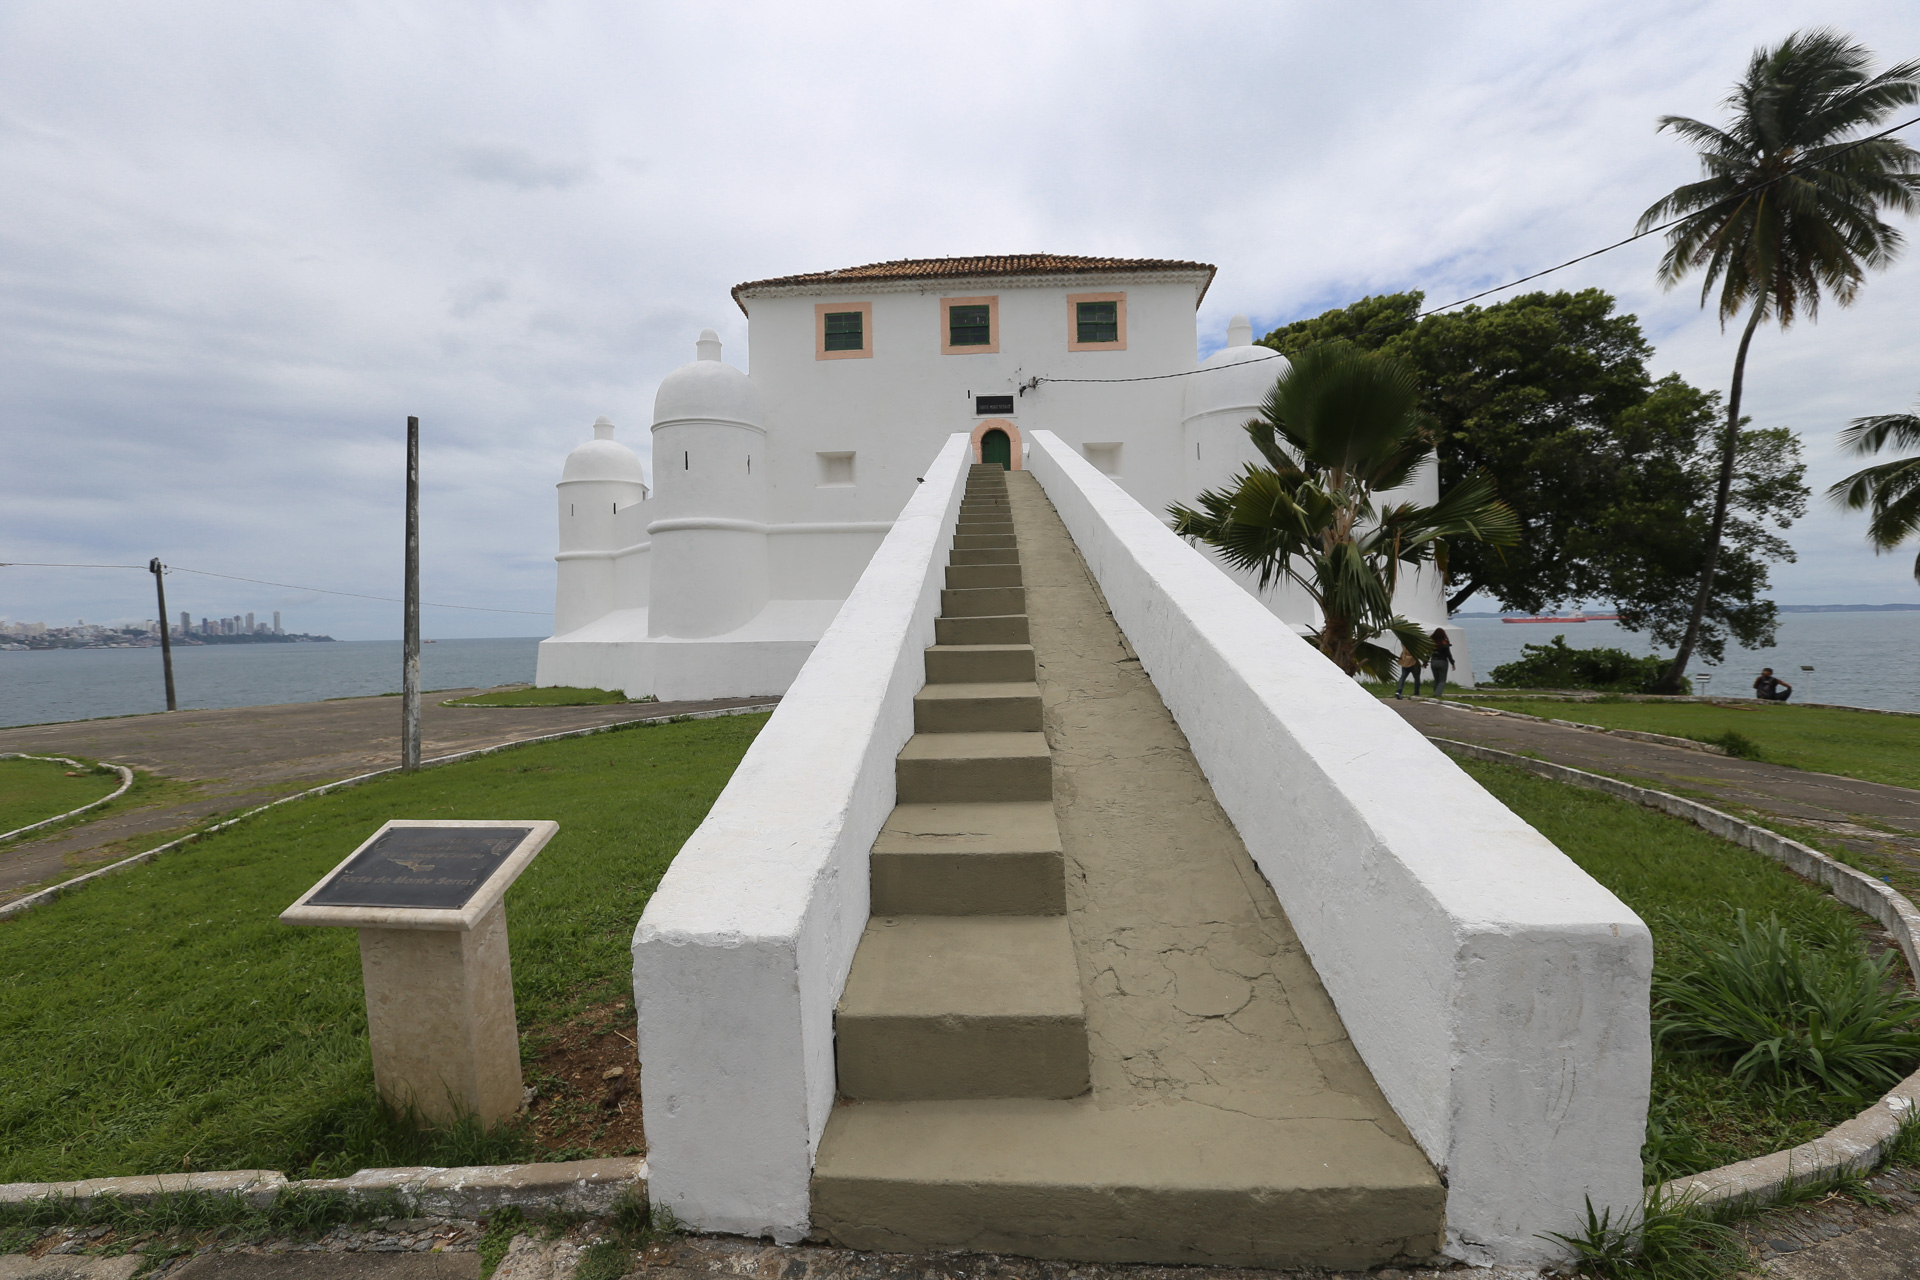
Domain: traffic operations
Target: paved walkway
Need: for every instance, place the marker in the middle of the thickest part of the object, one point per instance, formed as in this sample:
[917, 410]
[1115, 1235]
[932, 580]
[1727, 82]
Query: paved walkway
[245, 756]
[1870, 817]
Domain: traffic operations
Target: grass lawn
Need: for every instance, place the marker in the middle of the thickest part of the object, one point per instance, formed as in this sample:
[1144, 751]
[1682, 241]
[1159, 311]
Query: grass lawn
[165, 1020]
[1855, 744]
[1678, 879]
[554, 696]
[35, 790]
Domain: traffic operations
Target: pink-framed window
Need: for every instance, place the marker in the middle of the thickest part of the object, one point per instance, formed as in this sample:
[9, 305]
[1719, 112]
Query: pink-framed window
[842, 330]
[969, 326]
[1096, 322]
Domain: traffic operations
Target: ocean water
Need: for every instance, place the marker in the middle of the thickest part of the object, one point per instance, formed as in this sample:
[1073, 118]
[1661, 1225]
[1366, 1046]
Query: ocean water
[81, 684]
[1858, 659]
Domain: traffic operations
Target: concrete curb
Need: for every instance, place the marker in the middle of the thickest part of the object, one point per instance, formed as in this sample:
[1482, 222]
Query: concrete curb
[1638, 735]
[579, 1186]
[1854, 1146]
[20, 906]
[126, 780]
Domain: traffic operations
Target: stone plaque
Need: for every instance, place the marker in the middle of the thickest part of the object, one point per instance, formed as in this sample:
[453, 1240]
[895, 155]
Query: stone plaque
[430, 868]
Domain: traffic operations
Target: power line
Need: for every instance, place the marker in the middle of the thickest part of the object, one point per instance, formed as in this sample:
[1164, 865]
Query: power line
[1828, 158]
[290, 586]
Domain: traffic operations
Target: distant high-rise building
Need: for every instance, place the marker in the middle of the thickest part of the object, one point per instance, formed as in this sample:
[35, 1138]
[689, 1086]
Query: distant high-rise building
[276, 623]
[186, 622]
[249, 624]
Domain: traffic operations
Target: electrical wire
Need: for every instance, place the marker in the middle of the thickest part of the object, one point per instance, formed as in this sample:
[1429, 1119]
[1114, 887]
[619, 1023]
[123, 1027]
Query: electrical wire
[1501, 288]
[290, 586]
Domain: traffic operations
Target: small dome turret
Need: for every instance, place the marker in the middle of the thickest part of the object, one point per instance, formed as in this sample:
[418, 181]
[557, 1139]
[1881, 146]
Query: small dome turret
[708, 390]
[1240, 388]
[603, 458]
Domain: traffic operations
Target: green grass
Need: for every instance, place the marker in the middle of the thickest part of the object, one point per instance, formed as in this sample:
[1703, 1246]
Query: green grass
[165, 1020]
[1684, 882]
[553, 696]
[35, 790]
[1855, 744]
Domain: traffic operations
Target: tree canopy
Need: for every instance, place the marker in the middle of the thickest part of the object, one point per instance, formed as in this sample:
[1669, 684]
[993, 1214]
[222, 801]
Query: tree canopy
[1548, 395]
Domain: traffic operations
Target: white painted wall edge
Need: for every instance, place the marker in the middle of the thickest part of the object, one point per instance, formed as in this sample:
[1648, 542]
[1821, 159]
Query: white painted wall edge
[1853, 1146]
[1497, 993]
[743, 950]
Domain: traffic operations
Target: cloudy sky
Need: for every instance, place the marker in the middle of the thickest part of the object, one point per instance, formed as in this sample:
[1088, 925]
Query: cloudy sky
[243, 241]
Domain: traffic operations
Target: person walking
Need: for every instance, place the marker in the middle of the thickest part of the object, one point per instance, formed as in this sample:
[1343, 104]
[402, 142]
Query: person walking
[1409, 666]
[1441, 662]
[1771, 688]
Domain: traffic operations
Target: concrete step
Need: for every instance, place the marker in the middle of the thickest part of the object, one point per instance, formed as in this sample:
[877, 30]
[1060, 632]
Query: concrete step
[962, 1007]
[978, 663]
[987, 707]
[971, 503]
[975, 602]
[947, 767]
[1006, 628]
[1161, 1182]
[984, 540]
[961, 576]
[969, 860]
[984, 555]
[995, 522]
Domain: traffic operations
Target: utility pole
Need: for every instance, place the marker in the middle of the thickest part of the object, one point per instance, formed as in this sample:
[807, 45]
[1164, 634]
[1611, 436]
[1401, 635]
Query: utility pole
[158, 571]
[410, 672]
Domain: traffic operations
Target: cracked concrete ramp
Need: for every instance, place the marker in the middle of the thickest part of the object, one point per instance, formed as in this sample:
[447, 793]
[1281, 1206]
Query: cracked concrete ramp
[1156, 1075]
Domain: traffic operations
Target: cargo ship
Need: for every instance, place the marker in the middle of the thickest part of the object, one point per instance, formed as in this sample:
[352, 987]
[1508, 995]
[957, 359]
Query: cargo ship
[1570, 617]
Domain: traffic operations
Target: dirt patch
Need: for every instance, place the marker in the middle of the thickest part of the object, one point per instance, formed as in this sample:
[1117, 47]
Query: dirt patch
[586, 1087]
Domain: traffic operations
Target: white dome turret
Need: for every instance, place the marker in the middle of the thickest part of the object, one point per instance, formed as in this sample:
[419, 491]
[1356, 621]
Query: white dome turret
[603, 458]
[1242, 388]
[708, 390]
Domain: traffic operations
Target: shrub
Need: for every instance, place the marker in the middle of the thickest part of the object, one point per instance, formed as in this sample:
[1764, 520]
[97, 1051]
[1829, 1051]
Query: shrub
[1788, 1013]
[1734, 743]
[1556, 665]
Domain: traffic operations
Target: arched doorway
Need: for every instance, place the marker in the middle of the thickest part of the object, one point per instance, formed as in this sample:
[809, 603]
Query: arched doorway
[995, 447]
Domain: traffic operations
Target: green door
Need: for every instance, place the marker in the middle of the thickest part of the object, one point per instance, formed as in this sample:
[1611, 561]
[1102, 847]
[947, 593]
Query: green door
[995, 447]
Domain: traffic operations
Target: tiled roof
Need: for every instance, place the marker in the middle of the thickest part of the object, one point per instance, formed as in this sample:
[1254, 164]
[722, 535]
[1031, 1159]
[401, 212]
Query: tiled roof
[1005, 264]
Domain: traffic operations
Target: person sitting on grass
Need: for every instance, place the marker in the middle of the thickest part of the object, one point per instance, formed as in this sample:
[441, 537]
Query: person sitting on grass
[1771, 688]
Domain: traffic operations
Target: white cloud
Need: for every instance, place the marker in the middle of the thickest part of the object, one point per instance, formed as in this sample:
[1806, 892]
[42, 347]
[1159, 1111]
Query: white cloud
[244, 242]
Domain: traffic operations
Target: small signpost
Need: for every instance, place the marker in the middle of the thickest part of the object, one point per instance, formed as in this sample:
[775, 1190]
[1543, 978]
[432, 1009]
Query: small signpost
[429, 901]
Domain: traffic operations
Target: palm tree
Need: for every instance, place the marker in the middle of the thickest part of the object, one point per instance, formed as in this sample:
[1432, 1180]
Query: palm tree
[1788, 209]
[1890, 489]
[1339, 427]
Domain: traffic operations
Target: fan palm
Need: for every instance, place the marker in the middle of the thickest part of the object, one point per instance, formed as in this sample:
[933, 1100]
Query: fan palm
[1340, 427]
[1788, 209]
[1891, 490]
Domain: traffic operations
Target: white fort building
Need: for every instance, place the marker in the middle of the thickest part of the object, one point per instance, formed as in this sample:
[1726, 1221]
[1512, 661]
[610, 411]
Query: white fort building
[771, 489]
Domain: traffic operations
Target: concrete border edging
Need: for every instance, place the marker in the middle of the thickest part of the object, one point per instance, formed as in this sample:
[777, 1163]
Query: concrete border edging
[743, 950]
[1496, 992]
[126, 780]
[583, 1186]
[1853, 1146]
[27, 903]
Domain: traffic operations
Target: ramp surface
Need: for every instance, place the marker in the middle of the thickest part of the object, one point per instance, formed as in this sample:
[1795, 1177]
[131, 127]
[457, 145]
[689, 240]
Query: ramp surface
[1228, 1121]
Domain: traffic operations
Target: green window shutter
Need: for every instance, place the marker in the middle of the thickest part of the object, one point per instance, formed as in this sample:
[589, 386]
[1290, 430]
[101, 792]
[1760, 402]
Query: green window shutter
[968, 327]
[845, 331]
[1097, 321]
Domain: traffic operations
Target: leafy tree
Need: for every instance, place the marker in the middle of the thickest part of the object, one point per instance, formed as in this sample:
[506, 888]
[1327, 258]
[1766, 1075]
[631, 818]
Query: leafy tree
[1531, 392]
[1340, 426]
[1788, 208]
[1557, 665]
[1891, 490]
[1667, 453]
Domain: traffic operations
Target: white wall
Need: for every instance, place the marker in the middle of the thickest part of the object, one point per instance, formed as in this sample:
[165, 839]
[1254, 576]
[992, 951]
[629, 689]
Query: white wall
[743, 950]
[1497, 993]
[894, 409]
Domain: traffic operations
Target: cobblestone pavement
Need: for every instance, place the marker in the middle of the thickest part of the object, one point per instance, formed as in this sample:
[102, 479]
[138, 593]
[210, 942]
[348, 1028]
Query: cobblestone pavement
[246, 756]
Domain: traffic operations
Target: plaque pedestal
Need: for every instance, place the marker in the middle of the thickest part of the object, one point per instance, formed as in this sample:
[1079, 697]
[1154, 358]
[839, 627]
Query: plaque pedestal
[441, 1022]
[428, 899]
